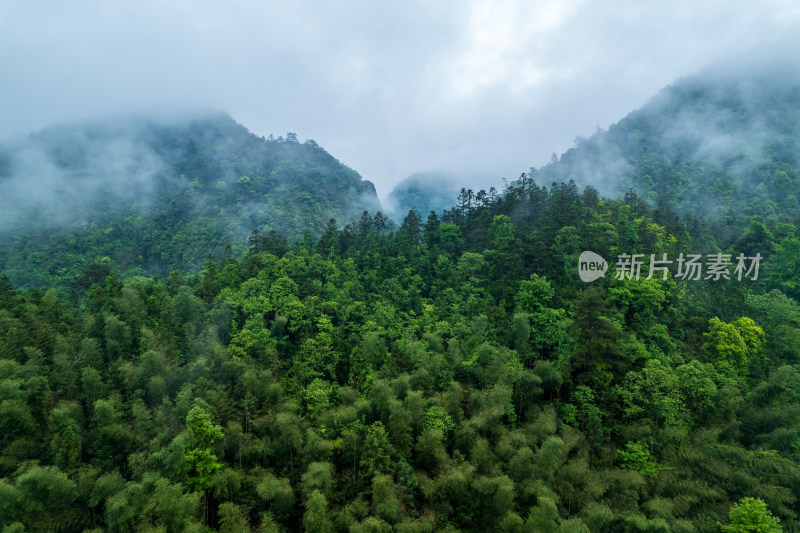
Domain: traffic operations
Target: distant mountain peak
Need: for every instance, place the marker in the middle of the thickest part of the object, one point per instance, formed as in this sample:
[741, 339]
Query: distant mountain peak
[176, 187]
[423, 192]
[721, 145]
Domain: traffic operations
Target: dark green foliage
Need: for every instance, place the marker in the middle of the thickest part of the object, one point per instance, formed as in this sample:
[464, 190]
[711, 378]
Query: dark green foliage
[397, 383]
[452, 375]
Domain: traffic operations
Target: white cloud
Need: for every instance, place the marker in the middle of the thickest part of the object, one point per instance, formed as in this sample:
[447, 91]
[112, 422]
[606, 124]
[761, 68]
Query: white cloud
[475, 88]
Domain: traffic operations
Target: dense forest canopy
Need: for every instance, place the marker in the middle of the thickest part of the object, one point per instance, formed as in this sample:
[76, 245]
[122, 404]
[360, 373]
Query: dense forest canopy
[452, 373]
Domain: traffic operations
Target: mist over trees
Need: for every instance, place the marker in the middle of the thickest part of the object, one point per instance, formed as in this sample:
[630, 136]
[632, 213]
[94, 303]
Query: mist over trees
[450, 372]
[720, 146]
[153, 196]
[423, 192]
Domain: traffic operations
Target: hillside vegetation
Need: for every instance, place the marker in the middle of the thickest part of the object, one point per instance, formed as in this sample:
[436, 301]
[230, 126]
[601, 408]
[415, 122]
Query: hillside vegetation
[722, 146]
[150, 197]
[452, 373]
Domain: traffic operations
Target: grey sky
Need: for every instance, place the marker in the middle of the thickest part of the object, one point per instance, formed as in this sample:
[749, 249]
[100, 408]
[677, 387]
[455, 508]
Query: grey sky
[482, 90]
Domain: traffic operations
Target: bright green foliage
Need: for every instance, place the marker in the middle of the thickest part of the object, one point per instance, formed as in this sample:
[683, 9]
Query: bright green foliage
[534, 294]
[724, 344]
[736, 344]
[754, 339]
[317, 397]
[451, 237]
[636, 456]
[377, 451]
[203, 464]
[436, 417]
[585, 414]
[202, 432]
[751, 515]
[202, 435]
[654, 395]
[501, 232]
[698, 388]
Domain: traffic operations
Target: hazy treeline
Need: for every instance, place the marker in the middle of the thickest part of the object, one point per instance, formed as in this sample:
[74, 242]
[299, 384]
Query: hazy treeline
[721, 146]
[155, 196]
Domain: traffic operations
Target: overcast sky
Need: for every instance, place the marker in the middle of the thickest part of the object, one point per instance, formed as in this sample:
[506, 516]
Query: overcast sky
[483, 90]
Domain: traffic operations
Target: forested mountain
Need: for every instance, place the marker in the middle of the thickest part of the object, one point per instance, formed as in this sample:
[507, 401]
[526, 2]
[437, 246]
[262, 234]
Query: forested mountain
[452, 374]
[722, 145]
[152, 196]
[423, 192]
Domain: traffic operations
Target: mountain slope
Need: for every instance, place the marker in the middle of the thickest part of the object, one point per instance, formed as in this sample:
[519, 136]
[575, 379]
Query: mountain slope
[722, 145]
[454, 377]
[154, 196]
[423, 191]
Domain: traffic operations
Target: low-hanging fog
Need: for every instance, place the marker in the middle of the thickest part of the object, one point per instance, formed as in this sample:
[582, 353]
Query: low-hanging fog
[728, 122]
[480, 91]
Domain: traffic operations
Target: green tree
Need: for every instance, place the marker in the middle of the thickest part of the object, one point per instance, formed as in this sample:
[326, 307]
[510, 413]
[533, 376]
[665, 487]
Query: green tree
[232, 519]
[410, 232]
[734, 343]
[436, 417]
[451, 238]
[751, 515]
[597, 358]
[172, 507]
[653, 394]
[318, 477]
[501, 232]
[636, 456]
[378, 451]
[47, 492]
[202, 435]
[316, 516]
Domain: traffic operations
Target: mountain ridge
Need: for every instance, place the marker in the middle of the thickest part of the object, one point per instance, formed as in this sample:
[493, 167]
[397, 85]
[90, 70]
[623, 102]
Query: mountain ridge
[718, 145]
[423, 192]
[179, 190]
